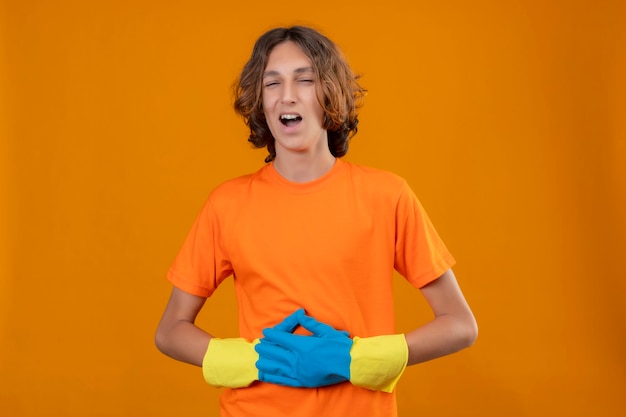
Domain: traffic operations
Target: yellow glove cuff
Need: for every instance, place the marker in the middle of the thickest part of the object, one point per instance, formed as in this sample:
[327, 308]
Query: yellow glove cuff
[378, 362]
[230, 363]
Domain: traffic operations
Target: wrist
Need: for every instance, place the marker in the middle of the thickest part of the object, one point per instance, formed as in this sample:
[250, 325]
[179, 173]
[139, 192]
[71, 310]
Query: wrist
[378, 362]
[230, 363]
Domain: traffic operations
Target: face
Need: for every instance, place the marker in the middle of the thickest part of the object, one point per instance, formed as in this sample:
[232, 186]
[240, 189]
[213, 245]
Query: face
[292, 110]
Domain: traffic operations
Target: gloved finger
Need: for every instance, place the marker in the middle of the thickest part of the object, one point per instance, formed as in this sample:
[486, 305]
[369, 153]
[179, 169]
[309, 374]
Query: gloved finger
[294, 342]
[319, 329]
[279, 380]
[275, 367]
[271, 350]
[290, 322]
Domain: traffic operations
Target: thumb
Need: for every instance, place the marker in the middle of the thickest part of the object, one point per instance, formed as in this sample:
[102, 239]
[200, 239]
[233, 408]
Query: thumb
[290, 322]
[320, 329]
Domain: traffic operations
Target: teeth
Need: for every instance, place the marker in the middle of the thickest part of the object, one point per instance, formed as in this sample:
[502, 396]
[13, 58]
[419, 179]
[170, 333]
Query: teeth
[288, 116]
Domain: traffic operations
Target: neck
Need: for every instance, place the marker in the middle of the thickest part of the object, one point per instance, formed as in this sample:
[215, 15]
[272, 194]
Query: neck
[303, 167]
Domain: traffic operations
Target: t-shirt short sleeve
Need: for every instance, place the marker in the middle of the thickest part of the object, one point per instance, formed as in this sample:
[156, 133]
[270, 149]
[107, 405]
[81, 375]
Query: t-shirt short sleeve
[420, 254]
[201, 264]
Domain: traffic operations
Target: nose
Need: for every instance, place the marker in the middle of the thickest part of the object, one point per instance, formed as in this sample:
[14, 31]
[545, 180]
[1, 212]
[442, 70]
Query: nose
[288, 95]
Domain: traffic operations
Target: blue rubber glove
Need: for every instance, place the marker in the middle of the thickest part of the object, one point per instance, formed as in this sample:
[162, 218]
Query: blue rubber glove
[321, 359]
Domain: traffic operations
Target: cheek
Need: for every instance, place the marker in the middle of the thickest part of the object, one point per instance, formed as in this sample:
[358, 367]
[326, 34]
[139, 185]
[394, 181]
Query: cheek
[265, 107]
[318, 107]
[319, 111]
[266, 103]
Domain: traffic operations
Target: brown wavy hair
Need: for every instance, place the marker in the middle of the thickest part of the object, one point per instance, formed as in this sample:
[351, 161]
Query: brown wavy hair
[339, 92]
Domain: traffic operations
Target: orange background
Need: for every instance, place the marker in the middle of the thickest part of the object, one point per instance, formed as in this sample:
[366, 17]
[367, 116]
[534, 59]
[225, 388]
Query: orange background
[506, 117]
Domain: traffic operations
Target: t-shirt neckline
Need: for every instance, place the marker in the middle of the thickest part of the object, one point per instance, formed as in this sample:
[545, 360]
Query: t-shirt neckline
[305, 187]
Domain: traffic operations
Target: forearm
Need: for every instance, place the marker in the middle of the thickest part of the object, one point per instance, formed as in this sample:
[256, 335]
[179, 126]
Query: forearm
[182, 340]
[444, 335]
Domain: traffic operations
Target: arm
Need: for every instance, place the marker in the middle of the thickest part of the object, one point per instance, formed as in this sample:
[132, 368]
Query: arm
[177, 336]
[225, 362]
[453, 328]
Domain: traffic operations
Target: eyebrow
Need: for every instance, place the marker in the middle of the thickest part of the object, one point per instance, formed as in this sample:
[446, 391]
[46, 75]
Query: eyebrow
[297, 71]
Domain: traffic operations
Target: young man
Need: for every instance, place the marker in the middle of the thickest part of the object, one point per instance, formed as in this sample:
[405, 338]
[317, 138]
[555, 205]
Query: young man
[311, 242]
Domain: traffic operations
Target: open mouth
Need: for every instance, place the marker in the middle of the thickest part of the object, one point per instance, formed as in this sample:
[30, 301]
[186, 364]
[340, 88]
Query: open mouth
[290, 119]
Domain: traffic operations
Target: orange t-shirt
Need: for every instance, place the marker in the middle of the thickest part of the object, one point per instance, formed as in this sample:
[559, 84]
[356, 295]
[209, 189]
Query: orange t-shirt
[329, 246]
